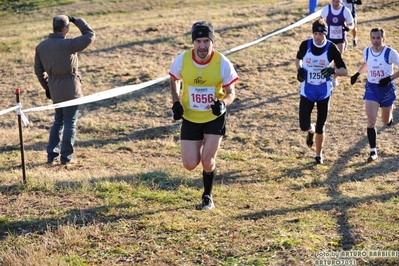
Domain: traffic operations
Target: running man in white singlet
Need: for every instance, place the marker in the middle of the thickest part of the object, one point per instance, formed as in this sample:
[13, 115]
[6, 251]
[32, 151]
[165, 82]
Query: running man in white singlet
[380, 91]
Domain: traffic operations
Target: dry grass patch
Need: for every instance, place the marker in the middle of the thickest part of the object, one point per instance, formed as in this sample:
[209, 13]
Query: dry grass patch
[129, 201]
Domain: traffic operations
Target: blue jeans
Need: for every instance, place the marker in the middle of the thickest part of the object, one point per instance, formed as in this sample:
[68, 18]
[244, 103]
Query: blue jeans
[64, 125]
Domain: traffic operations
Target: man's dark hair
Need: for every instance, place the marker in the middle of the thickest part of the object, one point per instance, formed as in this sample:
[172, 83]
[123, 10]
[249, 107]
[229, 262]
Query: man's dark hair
[377, 30]
[320, 26]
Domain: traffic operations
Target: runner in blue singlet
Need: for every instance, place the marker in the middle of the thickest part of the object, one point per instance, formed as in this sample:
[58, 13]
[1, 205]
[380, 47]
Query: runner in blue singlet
[314, 63]
[380, 90]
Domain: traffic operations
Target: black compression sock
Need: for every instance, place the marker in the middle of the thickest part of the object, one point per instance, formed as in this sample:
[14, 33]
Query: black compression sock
[372, 136]
[208, 179]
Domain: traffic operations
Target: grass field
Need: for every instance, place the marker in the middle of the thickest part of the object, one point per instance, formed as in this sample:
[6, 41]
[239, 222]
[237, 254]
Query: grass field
[129, 201]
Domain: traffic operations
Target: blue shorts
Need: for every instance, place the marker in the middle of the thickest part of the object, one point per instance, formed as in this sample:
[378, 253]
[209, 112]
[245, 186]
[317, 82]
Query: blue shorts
[316, 93]
[385, 96]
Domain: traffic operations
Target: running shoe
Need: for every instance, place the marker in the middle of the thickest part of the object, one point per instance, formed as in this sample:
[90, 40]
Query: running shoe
[334, 82]
[318, 159]
[373, 156]
[207, 203]
[310, 139]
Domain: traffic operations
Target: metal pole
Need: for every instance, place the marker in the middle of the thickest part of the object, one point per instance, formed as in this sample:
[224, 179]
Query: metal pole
[21, 139]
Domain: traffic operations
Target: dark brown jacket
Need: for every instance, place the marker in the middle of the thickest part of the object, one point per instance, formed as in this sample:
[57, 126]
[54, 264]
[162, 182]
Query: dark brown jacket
[56, 62]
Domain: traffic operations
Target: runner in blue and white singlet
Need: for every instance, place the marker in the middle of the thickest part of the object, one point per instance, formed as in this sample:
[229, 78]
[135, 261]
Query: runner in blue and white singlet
[316, 87]
[314, 61]
[380, 91]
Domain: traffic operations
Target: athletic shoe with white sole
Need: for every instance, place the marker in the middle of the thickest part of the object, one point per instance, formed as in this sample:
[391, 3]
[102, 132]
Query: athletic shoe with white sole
[334, 82]
[318, 159]
[207, 203]
[373, 156]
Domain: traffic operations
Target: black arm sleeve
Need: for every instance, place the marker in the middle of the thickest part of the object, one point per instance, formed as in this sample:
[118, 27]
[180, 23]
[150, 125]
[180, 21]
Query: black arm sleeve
[334, 55]
[302, 50]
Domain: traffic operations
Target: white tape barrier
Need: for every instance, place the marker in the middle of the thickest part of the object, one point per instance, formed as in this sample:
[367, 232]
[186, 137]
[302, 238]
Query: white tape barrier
[90, 98]
[9, 110]
[20, 113]
[100, 95]
[296, 24]
[126, 89]
[17, 107]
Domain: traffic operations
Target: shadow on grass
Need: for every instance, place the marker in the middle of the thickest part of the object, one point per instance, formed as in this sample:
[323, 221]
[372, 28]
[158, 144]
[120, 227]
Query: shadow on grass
[374, 21]
[79, 217]
[151, 133]
[340, 202]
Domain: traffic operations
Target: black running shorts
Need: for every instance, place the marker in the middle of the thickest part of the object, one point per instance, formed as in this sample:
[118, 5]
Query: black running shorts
[196, 131]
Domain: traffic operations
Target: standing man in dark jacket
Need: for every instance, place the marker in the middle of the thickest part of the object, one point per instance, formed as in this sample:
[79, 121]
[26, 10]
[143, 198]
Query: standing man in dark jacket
[56, 67]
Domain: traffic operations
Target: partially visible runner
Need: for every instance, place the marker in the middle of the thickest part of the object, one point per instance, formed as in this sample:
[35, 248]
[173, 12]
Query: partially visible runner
[380, 91]
[313, 62]
[351, 5]
[339, 21]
